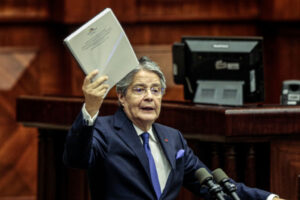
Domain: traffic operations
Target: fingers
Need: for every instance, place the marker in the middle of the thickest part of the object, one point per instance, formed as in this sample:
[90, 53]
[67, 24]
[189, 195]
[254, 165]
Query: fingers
[96, 88]
[100, 90]
[88, 79]
[88, 84]
[94, 91]
[98, 82]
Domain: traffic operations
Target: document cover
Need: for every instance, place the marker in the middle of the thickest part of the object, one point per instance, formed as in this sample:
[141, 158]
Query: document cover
[102, 44]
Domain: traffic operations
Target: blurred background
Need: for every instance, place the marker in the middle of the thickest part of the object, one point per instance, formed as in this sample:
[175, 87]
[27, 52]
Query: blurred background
[34, 61]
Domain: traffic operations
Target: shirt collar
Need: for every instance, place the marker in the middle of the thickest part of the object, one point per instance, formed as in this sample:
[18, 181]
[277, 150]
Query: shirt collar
[140, 132]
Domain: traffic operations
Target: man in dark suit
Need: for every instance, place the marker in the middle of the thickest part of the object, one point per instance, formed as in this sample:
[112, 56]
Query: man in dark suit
[128, 155]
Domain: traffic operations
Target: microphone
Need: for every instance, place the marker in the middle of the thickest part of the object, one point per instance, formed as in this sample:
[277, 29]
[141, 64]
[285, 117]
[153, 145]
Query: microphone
[221, 178]
[206, 179]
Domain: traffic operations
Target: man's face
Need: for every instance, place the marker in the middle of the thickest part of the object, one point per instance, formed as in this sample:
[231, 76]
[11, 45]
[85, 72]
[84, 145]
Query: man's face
[142, 101]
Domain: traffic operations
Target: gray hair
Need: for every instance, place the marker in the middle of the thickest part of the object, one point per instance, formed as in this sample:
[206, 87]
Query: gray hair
[144, 64]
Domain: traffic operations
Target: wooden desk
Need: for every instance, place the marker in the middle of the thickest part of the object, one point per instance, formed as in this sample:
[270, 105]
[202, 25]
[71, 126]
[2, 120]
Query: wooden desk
[277, 127]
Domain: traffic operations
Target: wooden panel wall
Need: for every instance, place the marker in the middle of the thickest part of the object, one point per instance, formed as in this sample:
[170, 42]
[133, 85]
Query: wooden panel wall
[30, 10]
[27, 42]
[277, 10]
[42, 25]
[289, 152]
[18, 164]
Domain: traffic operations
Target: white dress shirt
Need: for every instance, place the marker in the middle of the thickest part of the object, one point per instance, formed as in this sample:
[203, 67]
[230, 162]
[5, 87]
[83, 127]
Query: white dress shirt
[162, 165]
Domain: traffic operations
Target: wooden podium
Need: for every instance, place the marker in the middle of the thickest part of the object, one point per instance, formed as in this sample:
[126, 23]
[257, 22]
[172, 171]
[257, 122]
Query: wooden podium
[274, 130]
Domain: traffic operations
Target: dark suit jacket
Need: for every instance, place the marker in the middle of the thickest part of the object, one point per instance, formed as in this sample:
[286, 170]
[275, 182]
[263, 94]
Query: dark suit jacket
[117, 163]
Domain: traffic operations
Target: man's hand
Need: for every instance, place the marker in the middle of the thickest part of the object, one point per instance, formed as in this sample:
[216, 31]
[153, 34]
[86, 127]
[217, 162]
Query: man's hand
[277, 198]
[94, 92]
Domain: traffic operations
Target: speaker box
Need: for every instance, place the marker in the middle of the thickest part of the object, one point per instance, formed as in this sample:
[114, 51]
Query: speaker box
[290, 93]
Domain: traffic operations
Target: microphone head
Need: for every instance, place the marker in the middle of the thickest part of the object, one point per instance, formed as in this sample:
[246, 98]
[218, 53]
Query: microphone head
[202, 175]
[219, 175]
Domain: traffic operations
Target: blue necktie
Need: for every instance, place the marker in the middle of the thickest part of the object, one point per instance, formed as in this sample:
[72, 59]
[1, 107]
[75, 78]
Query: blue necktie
[153, 172]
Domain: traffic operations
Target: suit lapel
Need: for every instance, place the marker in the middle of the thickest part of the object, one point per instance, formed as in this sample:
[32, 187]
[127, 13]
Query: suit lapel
[127, 133]
[165, 139]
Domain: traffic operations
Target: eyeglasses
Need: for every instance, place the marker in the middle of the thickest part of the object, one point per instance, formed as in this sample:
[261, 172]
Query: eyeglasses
[155, 90]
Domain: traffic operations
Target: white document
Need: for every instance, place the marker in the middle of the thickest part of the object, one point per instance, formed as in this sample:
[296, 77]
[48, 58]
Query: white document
[102, 44]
